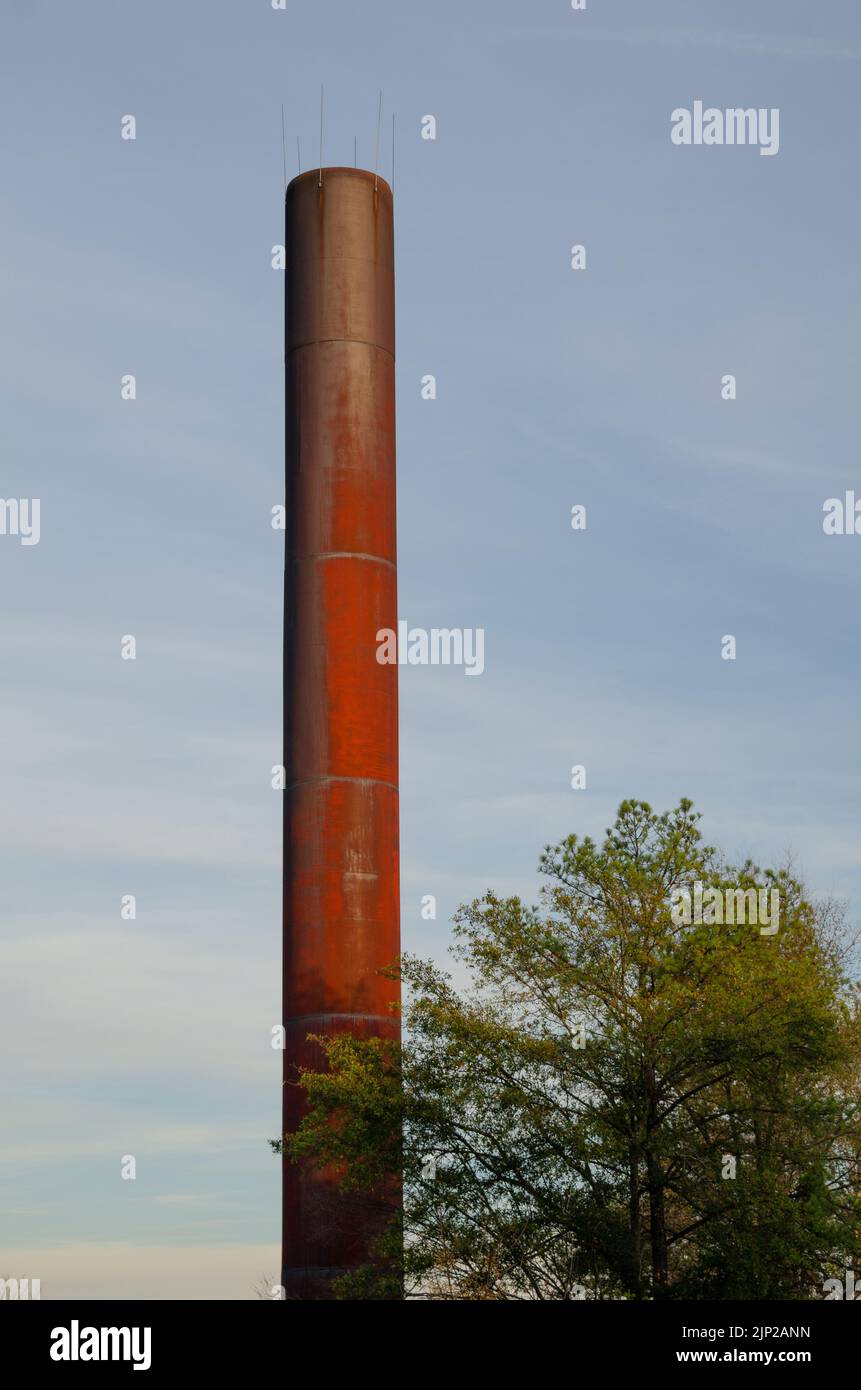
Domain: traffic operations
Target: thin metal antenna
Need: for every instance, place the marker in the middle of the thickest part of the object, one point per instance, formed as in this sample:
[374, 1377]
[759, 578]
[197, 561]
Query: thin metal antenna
[393, 151]
[377, 151]
[355, 152]
[298, 155]
[320, 180]
[283, 145]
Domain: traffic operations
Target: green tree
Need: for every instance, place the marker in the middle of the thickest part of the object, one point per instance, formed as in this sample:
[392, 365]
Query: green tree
[567, 1123]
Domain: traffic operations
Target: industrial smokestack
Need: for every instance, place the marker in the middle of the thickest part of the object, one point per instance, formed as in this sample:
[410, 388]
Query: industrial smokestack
[341, 852]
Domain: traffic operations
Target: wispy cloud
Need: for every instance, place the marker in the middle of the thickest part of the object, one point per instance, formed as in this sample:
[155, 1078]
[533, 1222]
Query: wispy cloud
[799, 47]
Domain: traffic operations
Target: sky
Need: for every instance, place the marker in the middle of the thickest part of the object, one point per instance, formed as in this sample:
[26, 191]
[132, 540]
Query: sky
[556, 387]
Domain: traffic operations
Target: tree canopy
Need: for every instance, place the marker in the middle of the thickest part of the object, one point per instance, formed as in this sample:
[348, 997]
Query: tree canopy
[615, 1104]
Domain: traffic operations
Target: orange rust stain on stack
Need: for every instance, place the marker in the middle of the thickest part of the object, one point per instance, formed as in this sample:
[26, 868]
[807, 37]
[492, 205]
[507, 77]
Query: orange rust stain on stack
[341, 884]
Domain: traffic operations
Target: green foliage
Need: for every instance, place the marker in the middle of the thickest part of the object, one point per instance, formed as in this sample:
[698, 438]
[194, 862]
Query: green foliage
[565, 1170]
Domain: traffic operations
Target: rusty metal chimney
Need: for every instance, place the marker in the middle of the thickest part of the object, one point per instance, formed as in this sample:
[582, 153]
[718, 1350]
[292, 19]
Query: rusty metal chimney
[341, 852]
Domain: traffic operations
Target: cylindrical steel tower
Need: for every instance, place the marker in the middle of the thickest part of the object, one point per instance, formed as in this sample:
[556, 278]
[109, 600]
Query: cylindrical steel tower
[341, 892]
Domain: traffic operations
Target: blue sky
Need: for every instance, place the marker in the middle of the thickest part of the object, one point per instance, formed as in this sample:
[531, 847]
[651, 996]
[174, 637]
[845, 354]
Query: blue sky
[600, 387]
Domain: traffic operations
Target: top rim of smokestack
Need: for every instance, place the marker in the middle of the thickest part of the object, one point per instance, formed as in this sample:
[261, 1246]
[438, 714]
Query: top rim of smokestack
[339, 239]
[367, 175]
